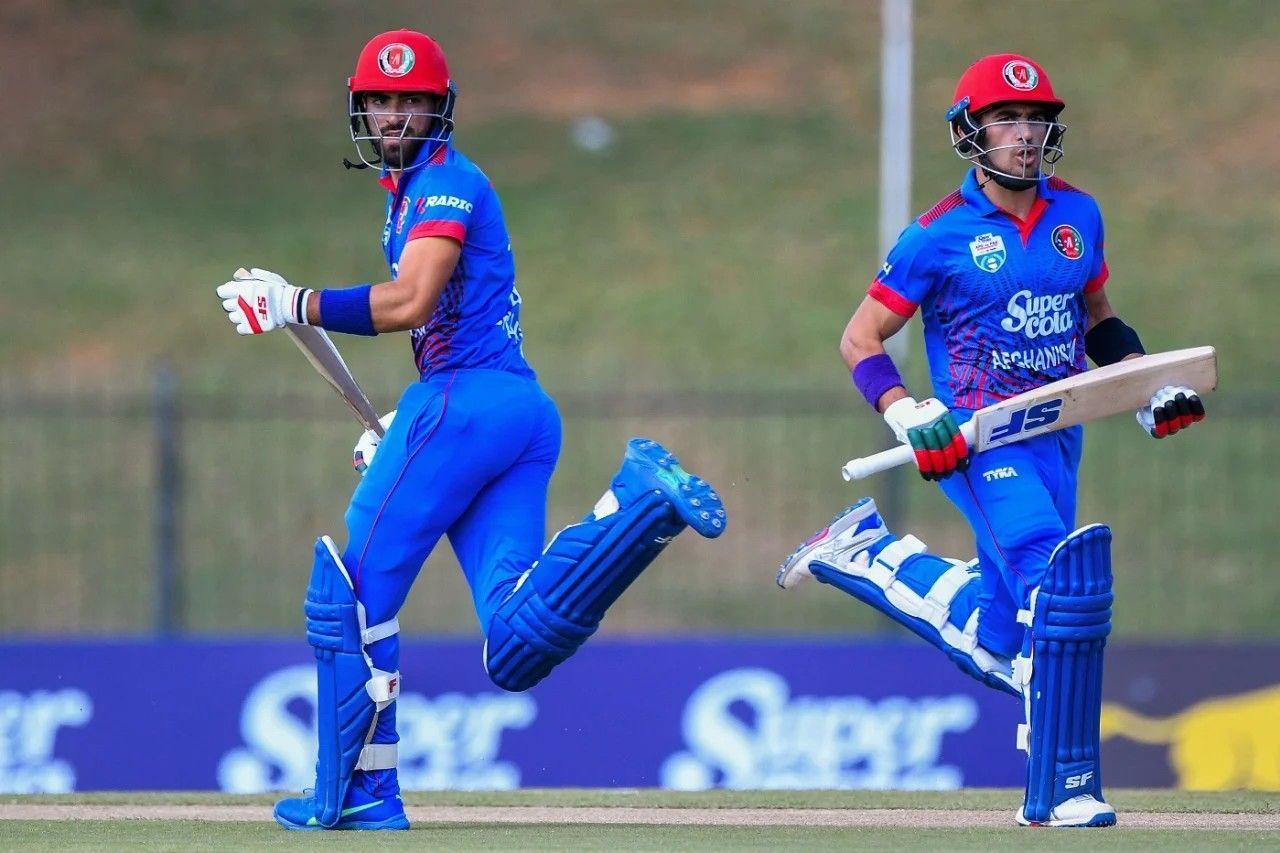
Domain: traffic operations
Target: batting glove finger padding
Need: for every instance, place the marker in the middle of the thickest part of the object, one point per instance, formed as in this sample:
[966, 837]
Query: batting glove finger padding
[930, 429]
[1172, 409]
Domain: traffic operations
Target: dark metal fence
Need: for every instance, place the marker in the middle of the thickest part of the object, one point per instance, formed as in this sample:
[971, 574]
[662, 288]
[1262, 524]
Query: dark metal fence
[157, 508]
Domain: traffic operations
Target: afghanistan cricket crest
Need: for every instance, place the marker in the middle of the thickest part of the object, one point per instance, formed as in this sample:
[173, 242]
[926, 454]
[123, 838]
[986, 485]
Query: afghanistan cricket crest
[396, 60]
[988, 252]
[1068, 242]
[1021, 75]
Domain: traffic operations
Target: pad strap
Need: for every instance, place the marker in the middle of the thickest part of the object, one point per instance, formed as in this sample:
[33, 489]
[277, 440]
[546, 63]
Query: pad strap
[378, 756]
[381, 631]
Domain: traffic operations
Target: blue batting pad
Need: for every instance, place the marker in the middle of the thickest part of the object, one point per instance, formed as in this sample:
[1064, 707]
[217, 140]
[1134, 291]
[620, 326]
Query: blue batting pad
[934, 598]
[559, 602]
[346, 709]
[1070, 619]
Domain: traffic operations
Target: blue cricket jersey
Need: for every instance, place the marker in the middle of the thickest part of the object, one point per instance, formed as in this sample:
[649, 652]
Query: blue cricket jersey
[1002, 299]
[476, 323]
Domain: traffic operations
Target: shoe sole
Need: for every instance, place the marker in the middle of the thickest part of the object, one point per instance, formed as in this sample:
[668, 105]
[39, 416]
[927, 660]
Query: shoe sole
[692, 497]
[391, 823]
[1102, 819]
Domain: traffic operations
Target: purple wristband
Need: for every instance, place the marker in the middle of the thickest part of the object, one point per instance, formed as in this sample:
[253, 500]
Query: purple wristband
[347, 310]
[874, 375]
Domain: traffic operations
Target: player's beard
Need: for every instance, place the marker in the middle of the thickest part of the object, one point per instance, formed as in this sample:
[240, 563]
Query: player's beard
[397, 153]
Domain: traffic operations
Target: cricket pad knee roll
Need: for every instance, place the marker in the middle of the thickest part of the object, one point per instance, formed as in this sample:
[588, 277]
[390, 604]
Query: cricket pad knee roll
[527, 639]
[1070, 618]
[559, 603]
[350, 691]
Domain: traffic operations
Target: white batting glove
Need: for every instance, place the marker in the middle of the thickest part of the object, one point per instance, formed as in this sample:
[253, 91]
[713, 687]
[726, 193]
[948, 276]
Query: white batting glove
[258, 301]
[362, 455]
[1173, 408]
[931, 431]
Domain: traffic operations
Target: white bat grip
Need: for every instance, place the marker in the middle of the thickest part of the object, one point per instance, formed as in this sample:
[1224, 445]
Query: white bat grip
[865, 466]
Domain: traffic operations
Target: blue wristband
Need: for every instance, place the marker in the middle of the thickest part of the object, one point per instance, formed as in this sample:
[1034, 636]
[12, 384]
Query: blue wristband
[348, 310]
[875, 375]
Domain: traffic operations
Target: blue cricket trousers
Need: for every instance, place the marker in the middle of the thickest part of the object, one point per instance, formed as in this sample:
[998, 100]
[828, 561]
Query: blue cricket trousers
[470, 455]
[1020, 500]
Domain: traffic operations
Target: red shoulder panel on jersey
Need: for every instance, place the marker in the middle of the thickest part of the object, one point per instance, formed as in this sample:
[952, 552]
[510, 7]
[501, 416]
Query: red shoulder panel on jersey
[1095, 284]
[891, 299]
[438, 228]
[951, 202]
[1058, 185]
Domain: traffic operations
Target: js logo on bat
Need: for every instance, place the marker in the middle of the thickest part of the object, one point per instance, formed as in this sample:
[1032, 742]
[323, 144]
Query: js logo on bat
[1027, 420]
[1068, 242]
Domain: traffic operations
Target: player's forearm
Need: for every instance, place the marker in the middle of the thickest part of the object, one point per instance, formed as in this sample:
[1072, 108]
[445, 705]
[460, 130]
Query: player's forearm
[397, 307]
[393, 307]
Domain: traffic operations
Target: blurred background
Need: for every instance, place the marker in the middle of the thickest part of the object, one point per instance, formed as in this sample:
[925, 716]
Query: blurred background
[692, 193]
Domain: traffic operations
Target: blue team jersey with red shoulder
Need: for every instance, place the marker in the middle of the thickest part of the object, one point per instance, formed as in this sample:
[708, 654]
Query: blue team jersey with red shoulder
[476, 323]
[1002, 300]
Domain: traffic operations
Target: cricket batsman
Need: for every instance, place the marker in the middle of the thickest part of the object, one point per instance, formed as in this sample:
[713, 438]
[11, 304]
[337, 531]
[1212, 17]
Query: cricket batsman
[468, 454]
[1009, 274]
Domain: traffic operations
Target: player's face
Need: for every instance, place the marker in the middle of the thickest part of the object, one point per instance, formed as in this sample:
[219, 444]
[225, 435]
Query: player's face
[1013, 134]
[396, 117]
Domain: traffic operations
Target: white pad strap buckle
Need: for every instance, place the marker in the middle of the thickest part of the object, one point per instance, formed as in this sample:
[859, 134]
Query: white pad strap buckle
[936, 604]
[378, 756]
[1025, 617]
[381, 631]
[886, 564]
[1022, 671]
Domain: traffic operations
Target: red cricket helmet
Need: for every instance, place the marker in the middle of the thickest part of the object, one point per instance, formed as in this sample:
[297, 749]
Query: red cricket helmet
[1004, 78]
[400, 61]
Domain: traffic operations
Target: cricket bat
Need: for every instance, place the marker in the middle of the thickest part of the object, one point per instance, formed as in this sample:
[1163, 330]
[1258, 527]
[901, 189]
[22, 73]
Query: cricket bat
[324, 357]
[1104, 391]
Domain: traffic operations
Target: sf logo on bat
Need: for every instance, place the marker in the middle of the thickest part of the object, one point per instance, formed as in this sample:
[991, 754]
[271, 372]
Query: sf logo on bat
[1029, 419]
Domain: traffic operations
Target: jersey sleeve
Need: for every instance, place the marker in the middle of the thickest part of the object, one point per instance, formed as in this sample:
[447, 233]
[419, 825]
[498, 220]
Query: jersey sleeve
[1098, 273]
[909, 274]
[446, 207]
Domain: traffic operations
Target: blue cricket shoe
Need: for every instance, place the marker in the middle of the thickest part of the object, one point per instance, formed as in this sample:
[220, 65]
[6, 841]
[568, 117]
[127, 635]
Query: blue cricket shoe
[372, 802]
[648, 466]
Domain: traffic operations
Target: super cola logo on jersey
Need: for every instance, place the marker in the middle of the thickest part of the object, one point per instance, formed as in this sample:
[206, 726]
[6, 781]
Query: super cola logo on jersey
[1040, 316]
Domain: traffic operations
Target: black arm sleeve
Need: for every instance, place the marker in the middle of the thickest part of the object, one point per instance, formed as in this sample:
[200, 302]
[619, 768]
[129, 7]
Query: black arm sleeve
[1110, 341]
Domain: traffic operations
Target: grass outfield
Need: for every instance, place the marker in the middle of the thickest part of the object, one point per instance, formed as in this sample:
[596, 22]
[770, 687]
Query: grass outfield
[653, 820]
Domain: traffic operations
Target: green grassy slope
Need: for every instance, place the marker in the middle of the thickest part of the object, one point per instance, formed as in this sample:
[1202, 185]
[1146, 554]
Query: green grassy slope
[724, 238]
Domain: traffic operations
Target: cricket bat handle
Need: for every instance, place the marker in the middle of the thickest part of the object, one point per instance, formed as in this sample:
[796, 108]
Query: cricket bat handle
[865, 466]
